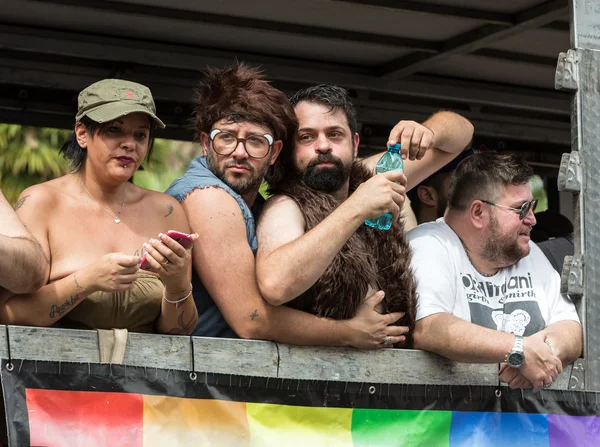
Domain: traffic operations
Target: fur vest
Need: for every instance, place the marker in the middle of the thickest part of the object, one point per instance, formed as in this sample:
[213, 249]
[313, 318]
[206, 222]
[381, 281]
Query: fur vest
[371, 258]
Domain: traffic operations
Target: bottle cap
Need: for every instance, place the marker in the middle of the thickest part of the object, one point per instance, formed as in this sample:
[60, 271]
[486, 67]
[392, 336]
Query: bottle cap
[394, 147]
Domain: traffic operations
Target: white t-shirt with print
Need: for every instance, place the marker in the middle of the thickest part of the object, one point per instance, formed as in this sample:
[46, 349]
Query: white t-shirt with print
[521, 299]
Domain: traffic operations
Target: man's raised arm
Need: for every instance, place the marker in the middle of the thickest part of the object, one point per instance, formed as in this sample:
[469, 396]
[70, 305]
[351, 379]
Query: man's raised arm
[428, 146]
[23, 266]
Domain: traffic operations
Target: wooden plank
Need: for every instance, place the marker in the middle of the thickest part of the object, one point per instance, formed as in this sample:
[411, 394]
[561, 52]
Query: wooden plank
[255, 358]
[384, 366]
[236, 356]
[50, 344]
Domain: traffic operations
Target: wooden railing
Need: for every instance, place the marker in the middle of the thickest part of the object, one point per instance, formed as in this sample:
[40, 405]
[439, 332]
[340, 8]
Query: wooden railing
[256, 358]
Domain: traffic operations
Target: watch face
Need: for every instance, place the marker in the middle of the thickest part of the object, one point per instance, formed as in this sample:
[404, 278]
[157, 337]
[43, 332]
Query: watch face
[515, 360]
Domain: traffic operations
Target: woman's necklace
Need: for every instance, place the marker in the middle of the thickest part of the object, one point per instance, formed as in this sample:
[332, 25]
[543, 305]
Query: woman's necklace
[487, 275]
[116, 218]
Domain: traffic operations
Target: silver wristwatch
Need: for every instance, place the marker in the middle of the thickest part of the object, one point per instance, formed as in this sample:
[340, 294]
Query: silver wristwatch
[515, 357]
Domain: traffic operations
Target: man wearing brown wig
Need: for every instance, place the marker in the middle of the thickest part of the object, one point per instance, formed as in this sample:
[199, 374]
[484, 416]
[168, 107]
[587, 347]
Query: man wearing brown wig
[243, 124]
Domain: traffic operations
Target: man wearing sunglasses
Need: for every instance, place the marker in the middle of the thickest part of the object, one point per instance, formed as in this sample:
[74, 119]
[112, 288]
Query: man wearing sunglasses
[487, 294]
[243, 124]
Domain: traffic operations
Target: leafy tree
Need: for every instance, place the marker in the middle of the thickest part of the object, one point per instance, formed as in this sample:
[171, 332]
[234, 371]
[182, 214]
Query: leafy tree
[29, 155]
[538, 190]
[169, 160]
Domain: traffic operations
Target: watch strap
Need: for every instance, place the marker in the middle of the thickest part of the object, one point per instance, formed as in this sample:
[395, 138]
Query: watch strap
[517, 346]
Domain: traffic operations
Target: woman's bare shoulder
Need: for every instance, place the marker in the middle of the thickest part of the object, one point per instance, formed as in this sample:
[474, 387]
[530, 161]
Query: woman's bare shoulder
[44, 195]
[159, 202]
[166, 209]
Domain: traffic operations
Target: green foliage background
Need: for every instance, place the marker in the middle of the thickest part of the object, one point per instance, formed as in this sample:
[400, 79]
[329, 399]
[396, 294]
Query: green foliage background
[538, 190]
[30, 155]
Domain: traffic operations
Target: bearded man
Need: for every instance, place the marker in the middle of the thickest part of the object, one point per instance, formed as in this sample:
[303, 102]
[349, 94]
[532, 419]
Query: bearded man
[487, 294]
[243, 124]
[314, 251]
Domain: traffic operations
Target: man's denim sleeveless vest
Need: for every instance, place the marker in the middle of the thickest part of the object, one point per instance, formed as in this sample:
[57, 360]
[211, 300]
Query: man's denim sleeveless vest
[210, 321]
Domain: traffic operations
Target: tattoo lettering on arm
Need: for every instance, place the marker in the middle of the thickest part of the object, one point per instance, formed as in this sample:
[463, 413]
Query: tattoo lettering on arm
[170, 208]
[20, 202]
[254, 314]
[183, 326]
[61, 309]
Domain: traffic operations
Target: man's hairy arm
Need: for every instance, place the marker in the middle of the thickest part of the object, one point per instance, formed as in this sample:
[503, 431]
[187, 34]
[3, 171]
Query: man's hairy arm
[441, 137]
[463, 341]
[452, 134]
[460, 340]
[225, 263]
[288, 261]
[23, 265]
[566, 339]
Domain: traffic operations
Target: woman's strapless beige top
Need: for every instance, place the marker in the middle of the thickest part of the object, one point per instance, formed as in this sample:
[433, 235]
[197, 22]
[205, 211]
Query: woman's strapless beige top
[135, 310]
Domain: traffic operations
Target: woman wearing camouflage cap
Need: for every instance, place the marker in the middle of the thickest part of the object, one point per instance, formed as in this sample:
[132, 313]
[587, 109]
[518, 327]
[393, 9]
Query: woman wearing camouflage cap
[94, 226]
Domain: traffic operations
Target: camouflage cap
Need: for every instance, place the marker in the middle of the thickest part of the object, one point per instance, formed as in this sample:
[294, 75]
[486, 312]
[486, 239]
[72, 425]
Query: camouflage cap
[109, 99]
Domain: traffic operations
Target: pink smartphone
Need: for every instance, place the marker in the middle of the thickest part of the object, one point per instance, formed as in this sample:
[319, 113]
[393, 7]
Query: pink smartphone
[185, 240]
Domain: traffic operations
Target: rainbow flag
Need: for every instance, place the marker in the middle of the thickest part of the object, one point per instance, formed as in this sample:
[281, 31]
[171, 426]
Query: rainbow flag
[61, 418]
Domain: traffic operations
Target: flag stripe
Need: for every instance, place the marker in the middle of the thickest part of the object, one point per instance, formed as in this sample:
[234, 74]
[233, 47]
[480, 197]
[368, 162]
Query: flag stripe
[192, 422]
[401, 427]
[74, 418]
[286, 425]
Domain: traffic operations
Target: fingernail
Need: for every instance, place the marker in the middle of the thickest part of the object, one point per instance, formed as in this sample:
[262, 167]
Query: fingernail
[403, 156]
[160, 235]
[147, 246]
[152, 241]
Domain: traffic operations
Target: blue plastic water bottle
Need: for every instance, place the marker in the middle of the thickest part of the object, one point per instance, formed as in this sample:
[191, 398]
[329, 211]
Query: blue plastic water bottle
[391, 161]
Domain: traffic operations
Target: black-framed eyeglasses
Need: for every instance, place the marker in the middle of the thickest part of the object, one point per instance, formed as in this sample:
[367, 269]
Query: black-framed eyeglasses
[530, 205]
[256, 146]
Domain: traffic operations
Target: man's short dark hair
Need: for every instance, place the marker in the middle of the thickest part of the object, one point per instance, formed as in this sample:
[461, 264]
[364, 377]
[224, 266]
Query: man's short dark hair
[484, 176]
[436, 181]
[331, 96]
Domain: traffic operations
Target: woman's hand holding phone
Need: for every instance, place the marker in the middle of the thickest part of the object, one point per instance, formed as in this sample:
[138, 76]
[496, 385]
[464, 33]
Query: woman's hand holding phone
[185, 240]
[171, 259]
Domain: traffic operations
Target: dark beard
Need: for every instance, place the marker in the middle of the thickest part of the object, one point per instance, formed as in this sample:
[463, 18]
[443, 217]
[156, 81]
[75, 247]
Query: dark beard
[502, 250]
[325, 178]
[239, 185]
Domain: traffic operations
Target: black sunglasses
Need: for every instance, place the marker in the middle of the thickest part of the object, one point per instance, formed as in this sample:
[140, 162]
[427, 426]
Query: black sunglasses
[530, 205]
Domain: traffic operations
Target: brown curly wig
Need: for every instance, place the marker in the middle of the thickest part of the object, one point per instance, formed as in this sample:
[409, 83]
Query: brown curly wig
[240, 93]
